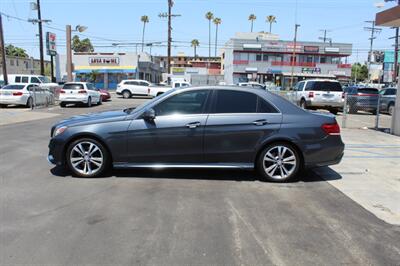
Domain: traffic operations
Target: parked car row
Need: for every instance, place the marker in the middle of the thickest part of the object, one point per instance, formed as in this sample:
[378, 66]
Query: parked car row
[24, 94]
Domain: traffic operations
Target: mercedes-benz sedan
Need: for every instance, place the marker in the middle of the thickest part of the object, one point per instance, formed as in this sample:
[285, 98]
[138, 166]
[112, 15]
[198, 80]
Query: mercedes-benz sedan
[206, 127]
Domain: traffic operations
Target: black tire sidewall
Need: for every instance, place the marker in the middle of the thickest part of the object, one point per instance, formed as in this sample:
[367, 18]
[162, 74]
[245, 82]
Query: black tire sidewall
[260, 162]
[89, 102]
[104, 151]
[126, 92]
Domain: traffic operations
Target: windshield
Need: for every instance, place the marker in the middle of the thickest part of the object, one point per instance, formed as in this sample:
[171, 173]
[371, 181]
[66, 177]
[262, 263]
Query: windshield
[145, 104]
[44, 79]
[324, 86]
[13, 87]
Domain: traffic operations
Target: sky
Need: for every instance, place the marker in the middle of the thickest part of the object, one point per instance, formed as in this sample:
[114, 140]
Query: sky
[118, 21]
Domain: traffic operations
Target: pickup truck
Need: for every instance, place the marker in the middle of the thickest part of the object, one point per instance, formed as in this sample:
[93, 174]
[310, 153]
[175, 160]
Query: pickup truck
[156, 90]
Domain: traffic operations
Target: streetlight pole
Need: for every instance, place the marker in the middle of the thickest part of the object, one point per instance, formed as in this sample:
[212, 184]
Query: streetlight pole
[69, 53]
[40, 38]
[3, 52]
[294, 54]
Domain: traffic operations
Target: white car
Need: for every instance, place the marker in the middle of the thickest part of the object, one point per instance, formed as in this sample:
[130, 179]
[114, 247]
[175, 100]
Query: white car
[24, 94]
[78, 93]
[319, 94]
[130, 87]
[252, 84]
[158, 90]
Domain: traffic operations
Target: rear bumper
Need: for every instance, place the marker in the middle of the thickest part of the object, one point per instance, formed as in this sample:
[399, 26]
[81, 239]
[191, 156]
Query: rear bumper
[21, 100]
[325, 104]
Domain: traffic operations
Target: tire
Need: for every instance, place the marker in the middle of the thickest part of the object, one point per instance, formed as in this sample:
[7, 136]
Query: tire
[391, 109]
[374, 112]
[100, 102]
[87, 157]
[351, 110]
[3, 105]
[63, 104]
[89, 102]
[303, 104]
[334, 111]
[126, 94]
[29, 102]
[275, 169]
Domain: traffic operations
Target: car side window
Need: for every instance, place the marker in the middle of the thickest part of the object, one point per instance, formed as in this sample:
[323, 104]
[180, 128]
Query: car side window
[300, 86]
[143, 83]
[17, 79]
[309, 86]
[25, 79]
[265, 107]
[191, 102]
[35, 80]
[229, 101]
[90, 86]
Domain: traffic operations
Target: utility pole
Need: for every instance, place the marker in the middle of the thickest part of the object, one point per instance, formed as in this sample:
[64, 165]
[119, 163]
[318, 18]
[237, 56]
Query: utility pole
[3, 52]
[69, 53]
[373, 30]
[324, 38]
[293, 61]
[169, 15]
[396, 55]
[40, 38]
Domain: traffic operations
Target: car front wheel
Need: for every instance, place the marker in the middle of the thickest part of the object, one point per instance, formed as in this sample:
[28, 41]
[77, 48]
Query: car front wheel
[279, 162]
[87, 158]
[126, 94]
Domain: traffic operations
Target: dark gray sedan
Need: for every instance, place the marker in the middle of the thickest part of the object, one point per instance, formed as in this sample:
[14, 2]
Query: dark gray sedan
[203, 127]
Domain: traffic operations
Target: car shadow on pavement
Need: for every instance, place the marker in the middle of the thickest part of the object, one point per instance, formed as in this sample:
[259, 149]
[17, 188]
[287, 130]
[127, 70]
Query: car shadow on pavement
[204, 174]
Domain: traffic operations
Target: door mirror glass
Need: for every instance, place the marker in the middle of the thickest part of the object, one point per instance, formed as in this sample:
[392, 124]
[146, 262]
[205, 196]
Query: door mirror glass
[149, 114]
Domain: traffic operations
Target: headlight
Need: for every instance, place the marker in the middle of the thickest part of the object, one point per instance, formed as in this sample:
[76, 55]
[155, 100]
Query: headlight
[59, 131]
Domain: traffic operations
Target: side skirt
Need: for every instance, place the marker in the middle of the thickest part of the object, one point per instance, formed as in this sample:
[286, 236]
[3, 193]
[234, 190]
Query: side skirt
[189, 165]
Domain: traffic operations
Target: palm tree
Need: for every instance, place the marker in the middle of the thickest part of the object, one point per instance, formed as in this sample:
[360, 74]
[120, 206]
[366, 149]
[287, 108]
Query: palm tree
[216, 21]
[271, 19]
[252, 17]
[144, 19]
[209, 17]
[194, 44]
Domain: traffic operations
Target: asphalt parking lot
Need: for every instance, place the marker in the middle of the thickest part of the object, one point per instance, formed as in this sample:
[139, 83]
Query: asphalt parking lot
[175, 216]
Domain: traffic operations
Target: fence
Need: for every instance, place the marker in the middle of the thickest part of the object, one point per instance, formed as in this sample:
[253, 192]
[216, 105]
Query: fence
[359, 111]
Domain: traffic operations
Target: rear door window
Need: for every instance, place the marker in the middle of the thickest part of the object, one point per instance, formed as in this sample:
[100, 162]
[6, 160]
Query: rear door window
[235, 102]
[265, 107]
[17, 79]
[90, 86]
[25, 79]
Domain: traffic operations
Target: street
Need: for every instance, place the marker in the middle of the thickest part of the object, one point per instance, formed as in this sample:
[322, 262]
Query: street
[174, 216]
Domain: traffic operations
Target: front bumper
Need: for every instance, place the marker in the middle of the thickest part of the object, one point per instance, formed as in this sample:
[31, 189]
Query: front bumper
[56, 152]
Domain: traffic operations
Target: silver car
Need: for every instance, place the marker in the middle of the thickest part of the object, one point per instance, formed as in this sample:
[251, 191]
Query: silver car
[388, 100]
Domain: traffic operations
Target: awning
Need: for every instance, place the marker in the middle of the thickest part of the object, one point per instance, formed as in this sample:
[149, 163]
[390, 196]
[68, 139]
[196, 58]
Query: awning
[104, 69]
[389, 17]
[310, 75]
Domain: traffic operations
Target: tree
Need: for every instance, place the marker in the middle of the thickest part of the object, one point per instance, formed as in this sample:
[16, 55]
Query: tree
[12, 50]
[209, 17]
[144, 19]
[83, 46]
[359, 72]
[194, 44]
[252, 17]
[271, 19]
[217, 21]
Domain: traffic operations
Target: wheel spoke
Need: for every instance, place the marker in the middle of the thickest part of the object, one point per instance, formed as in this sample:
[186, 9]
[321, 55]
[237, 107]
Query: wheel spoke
[270, 170]
[284, 172]
[77, 149]
[89, 168]
[74, 159]
[98, 164]
[94, 150]
[75, 164]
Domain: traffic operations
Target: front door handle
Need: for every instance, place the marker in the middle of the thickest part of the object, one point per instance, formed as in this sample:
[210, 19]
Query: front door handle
[260, 122]
[193, 124]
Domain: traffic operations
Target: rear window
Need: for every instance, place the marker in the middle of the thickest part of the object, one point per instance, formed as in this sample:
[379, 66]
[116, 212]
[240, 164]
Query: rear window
[13, 87]
[323, 86]
[368, 91]
[73, 87]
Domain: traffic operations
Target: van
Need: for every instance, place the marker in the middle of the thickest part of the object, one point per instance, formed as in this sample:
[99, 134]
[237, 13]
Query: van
[42, 81]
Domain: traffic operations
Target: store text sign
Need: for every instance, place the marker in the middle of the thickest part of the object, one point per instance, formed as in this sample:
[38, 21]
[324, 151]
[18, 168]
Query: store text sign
[103, 61]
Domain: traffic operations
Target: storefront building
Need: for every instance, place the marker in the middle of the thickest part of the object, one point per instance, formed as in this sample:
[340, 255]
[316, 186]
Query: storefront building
[262, 57]
[106, 70]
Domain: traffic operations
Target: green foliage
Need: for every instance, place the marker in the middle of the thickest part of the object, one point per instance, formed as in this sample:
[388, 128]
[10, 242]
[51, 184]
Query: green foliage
[12, 50]
[82, 46]
[359, 72]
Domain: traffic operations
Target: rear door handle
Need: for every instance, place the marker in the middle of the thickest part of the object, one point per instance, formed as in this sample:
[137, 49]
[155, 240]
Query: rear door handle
[193, 124]
[260, 122]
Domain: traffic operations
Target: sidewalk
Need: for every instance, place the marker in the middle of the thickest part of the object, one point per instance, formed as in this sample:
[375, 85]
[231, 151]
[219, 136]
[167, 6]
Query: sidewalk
[369, 172]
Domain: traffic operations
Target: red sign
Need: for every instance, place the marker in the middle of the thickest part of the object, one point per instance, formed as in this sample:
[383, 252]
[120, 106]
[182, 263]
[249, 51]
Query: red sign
[311, 49]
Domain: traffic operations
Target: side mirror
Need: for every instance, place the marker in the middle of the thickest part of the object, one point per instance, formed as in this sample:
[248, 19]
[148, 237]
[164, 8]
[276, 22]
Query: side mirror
[149, 114]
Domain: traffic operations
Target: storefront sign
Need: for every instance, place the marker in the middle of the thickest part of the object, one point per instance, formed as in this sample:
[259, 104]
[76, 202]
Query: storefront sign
[104, 61]
[273, 46]
[290, 47]
[337, 73]
[178, 70]
[251, 69]
[311, 49]
[252, 46]
[311, 70]
[332, 49]
[51, 43]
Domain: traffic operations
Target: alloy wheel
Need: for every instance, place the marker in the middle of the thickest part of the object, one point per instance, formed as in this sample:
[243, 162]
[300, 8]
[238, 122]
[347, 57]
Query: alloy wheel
[279, 162]
[86, 158]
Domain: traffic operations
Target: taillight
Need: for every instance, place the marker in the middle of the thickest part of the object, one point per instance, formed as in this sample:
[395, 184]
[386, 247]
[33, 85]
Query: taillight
[62, 91]
[82, 91]
[343, 95]
[17, 93]
[331, 129]
[311, 94]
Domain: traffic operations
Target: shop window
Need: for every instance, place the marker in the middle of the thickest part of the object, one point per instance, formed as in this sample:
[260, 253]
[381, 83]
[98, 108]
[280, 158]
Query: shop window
[323, 60]
[265, 57]
[252, 57]
[259, 57]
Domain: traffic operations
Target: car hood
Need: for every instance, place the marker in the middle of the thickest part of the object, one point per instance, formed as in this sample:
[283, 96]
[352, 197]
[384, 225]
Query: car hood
[93, 118]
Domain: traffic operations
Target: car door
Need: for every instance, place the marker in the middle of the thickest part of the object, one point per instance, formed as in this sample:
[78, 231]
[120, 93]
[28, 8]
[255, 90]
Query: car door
[238, 122]
[93, 93]
[176, 133]
[299, 92]
[143, 88]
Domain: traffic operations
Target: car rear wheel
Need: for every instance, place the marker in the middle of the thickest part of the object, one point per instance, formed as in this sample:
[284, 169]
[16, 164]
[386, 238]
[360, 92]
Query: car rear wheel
[391, 109]
[29, 103]
[126, 94]
[279, 162]
[100, 101]
[63, 104]
[87, 158]
[303, 104]
[89, 102]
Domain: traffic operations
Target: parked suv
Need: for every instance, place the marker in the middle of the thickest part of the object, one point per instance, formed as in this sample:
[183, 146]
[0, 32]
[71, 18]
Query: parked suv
[362, 99]
[130, 87]
[319, 94]
[388, 100]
